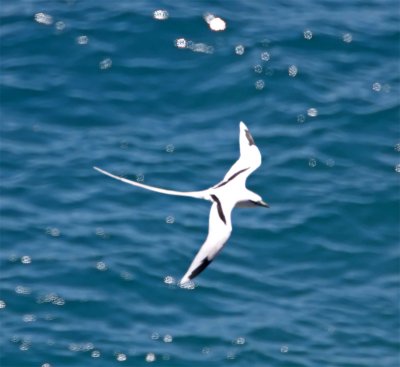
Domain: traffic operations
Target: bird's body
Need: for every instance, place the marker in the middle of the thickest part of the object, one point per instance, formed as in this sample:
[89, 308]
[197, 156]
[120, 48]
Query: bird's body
[229, 193]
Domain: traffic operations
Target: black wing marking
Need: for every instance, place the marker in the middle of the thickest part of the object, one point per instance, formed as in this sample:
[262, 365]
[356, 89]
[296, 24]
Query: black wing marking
[219, 208]
[232, 177]
[249, 137]
[200, 268]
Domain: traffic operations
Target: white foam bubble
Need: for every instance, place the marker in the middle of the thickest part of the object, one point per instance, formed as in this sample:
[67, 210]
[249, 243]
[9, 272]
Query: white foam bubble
[307, 34]
[258, 69]
[60, 25]
[82, 40]
[301, 118]
[167, 338]
[26, 259]
[169, 148]
[100, 265]
[239, 341]
[150, 357]
[215, 23]
[121, 357]
[292, 70]
[160, 14]
[284, 349]
[312, 112]
[239, 50]
[181, 43]
[330, 162]
[259, 84]
[95, 354]
[265, 56]
[347, 37]
[169, 280]
[377, 87]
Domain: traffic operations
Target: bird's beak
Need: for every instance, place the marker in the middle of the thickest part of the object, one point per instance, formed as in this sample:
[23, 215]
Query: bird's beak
[262, 203]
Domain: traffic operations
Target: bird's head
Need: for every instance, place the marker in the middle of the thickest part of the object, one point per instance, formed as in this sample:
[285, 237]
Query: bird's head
[252, 200]
[258, 201]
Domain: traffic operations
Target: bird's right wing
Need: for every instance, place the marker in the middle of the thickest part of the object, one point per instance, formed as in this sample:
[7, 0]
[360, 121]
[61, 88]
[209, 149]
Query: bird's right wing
[219, 231]
[249, 160]
[194, 194]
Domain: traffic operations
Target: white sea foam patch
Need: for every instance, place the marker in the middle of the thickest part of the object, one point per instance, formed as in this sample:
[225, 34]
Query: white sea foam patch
[187, 285]
[193, 46]
[105, 64]
[44, 18]
[201, 47]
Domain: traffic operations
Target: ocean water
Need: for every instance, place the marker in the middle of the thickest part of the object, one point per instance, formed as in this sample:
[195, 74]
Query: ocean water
[89, 264]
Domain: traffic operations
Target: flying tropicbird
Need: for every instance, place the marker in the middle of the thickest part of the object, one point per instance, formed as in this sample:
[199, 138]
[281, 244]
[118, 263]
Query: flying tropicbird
[229, 193]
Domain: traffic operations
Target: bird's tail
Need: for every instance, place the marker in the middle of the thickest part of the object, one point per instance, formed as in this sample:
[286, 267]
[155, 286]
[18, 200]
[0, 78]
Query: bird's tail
[193, 194]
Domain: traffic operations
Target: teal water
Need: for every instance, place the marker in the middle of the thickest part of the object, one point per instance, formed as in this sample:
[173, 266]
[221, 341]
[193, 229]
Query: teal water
[86, 260]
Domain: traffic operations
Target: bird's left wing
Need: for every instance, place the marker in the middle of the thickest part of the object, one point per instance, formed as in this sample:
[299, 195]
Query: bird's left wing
[249, 160]
[219, 231]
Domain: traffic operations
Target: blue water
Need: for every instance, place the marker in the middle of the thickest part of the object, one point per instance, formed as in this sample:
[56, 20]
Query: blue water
[86, 261]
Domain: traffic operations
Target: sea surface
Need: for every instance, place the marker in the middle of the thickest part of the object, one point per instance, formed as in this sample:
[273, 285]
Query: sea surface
[89, 265]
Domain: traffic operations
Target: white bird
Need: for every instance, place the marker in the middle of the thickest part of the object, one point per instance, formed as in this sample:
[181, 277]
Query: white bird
[229, 193]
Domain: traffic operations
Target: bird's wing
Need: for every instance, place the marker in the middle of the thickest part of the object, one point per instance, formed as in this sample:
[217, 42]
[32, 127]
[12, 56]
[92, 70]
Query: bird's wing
[219, 230]
[249, 160]
[193, 194]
